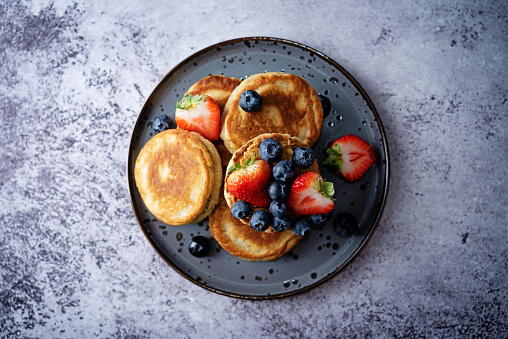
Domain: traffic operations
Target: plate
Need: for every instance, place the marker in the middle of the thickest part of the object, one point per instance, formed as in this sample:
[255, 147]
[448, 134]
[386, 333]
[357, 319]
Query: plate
[320, 255]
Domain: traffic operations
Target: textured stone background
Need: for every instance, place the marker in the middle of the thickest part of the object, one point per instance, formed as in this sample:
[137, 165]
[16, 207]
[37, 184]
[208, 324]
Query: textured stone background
[73, 78]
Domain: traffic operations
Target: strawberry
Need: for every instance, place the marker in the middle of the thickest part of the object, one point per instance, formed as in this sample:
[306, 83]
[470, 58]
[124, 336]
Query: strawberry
[199, 113]
[311, 194]
[351, 156]
[250, 182]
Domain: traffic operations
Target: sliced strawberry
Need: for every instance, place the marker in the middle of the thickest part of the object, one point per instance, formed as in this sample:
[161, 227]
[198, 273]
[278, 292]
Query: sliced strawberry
[311, 194]
[350, 156]
[199, 113]
[250, 182]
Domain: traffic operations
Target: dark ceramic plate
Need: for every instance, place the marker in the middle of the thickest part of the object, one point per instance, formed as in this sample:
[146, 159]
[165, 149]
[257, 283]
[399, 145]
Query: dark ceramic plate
[317, 257]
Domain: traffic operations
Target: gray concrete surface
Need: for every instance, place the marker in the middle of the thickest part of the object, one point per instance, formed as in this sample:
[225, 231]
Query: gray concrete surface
[73, 260]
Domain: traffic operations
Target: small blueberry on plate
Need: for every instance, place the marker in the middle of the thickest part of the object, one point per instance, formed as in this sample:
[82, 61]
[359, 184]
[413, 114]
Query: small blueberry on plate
[162, 123]
[199, 246]
[345, 225]
[325, 104]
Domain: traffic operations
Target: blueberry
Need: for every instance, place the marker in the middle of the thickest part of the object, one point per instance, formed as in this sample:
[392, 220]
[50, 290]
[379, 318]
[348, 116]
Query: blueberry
[318, 219]
[240, 209]
[278, 190]
[199, 246]
[301, 227]
[278, 208]
[326, 104]
[303, 157]
[284, 171]
[345, 225]
[281, 224]
[162, 123]
[260, 220]
[250, 101]
[270, 150]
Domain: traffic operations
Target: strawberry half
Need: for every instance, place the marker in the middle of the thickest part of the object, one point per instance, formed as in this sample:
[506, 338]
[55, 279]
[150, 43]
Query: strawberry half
[199, 113]
[250, 182]
[350, 156]
[311, 194]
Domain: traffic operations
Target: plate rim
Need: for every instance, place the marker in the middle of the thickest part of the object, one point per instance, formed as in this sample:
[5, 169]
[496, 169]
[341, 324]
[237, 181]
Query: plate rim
[368, 101]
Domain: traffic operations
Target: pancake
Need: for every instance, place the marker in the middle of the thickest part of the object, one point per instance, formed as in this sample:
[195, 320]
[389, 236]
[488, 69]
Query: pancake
[219, 87]
[246, 243]
[217, 171]
[289, 106]
[251, 148]
[177, 174]
[225, 155]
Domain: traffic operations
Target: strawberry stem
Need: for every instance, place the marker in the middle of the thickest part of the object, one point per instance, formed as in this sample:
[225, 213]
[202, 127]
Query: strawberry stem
[326, 189]
[189, 101]
[237, 166]
[334, 158]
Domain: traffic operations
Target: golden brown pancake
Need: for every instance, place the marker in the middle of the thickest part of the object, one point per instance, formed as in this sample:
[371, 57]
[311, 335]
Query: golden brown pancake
[251, 149]
[218, 87]
[245, 242]
[289, 105]
[217, 171]
[225, 155]
[177, 173]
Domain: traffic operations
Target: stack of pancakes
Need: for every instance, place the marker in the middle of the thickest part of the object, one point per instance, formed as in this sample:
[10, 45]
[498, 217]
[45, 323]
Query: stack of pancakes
[179, 174]
[251, 149]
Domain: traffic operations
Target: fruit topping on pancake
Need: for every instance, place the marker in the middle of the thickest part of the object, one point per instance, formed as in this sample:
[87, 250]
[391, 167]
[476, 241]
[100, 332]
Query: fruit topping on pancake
[249, 182]
[275, 190]
[311, 194]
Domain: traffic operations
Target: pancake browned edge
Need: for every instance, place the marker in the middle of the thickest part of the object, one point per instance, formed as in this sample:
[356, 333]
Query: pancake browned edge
[289, 105]
[245, 242]
[178, 175]
[251, 149]
[217, 172]
[219, 87]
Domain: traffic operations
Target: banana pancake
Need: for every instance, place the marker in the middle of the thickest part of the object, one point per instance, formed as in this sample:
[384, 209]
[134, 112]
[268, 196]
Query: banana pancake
[289, 106]
[245, 242]
[178, 174]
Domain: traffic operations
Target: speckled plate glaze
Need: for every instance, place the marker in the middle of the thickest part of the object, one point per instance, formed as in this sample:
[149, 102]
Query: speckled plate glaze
[323, 253]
